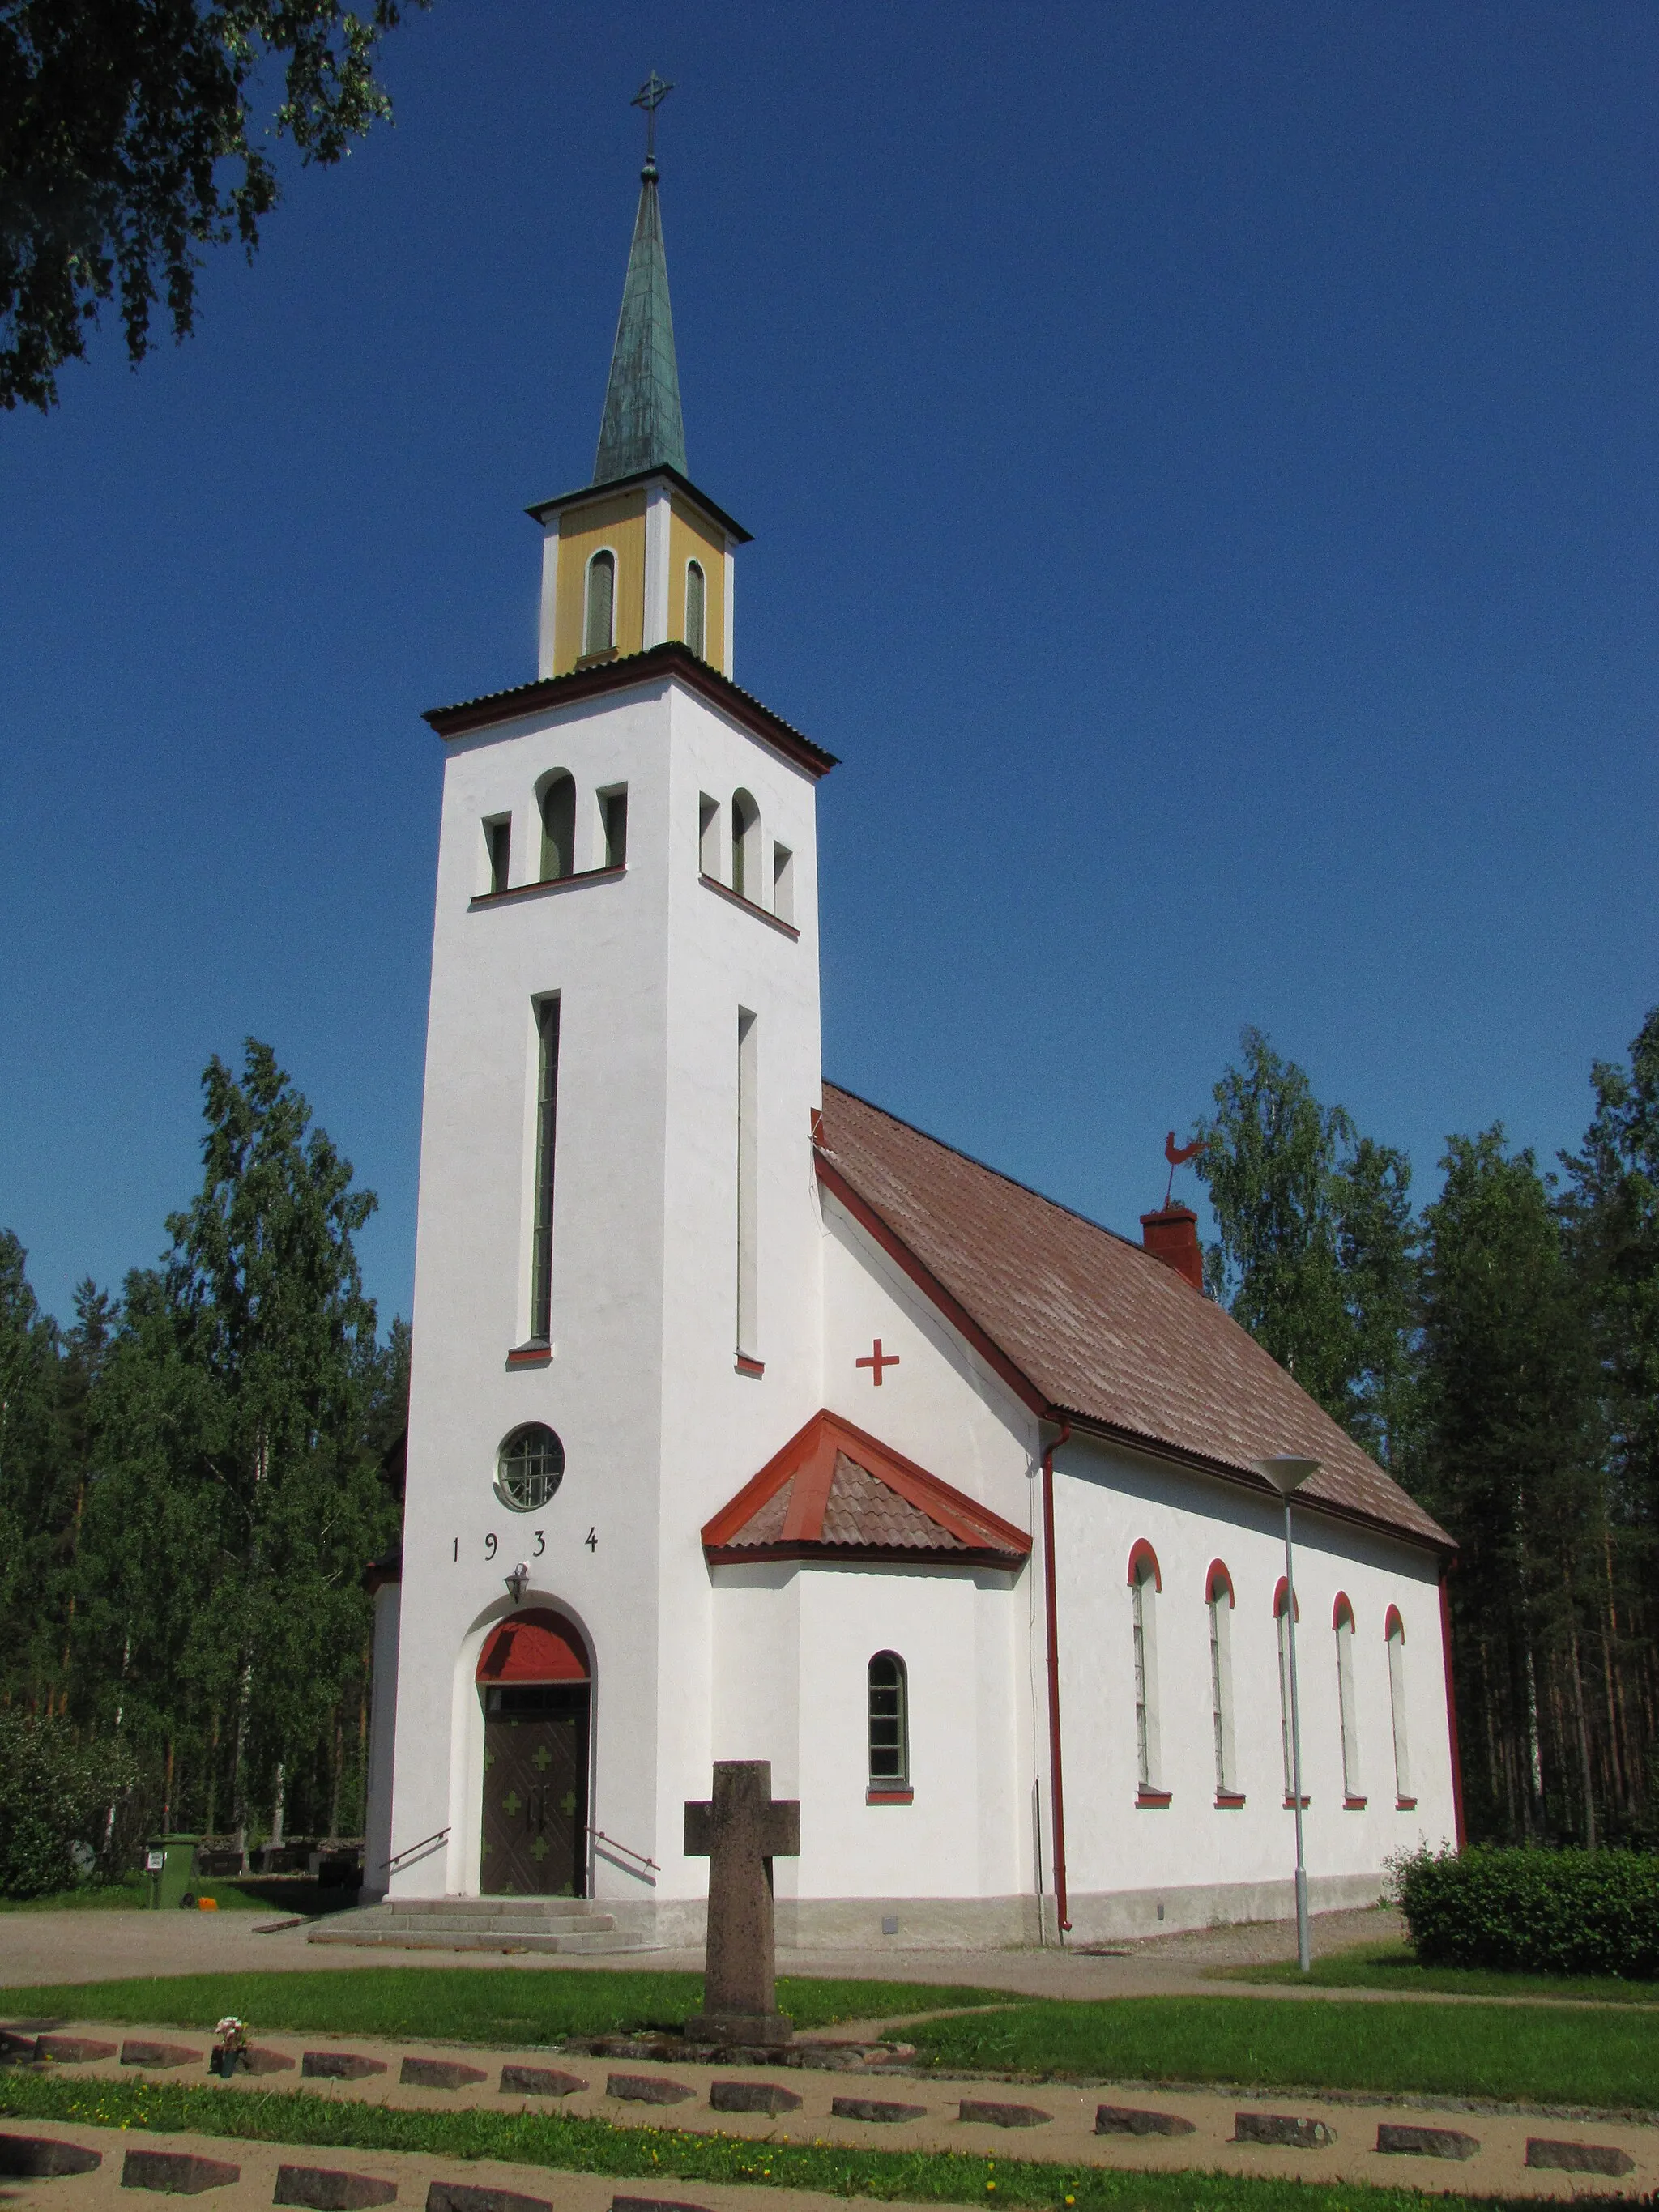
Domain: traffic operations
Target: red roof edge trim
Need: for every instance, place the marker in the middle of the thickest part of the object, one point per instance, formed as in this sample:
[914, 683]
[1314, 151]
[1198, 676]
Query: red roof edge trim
[758, 1488]
[929, 1284]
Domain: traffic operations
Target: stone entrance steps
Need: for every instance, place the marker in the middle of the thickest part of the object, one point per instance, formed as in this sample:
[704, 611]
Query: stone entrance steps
[574, 1924]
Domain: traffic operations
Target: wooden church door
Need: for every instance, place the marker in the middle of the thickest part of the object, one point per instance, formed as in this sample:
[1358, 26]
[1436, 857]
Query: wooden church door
[533, 1675]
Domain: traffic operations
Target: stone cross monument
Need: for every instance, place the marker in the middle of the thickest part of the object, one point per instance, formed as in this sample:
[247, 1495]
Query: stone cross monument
[740, 1833]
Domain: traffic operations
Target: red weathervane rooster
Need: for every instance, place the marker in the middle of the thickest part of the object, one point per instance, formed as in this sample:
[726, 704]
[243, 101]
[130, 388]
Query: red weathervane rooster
[1177, 1156]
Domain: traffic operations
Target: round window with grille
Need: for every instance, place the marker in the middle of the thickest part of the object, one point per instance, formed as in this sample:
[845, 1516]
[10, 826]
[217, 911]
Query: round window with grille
[529, 1467]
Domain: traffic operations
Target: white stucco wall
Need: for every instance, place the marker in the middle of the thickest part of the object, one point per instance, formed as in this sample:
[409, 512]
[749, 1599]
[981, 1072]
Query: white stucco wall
[658, 1426]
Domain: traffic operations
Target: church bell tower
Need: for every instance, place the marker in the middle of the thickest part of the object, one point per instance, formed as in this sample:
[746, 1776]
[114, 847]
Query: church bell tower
[616, 1311]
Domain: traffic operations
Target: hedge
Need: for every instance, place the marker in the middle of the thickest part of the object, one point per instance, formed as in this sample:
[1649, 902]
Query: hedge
[1534, 1912]
[53, 1792]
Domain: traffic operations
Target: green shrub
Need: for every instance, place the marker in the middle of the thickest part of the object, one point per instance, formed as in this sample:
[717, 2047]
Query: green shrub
[53, 1793]
[1537, 1911]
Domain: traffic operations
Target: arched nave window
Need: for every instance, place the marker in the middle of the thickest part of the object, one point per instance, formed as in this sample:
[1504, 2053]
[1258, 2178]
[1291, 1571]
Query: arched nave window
[1342, 1622]
[1282, 1622]
[1394, 1630]
[599, 617]
[1144, 1582]
[696, 601]
[1218, 1604]
[889, 1722]
[558, 828]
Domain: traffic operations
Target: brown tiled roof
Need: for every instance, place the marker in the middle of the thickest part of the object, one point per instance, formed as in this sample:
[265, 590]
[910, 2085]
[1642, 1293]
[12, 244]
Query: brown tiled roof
[834, 1491]
[1083, 1324]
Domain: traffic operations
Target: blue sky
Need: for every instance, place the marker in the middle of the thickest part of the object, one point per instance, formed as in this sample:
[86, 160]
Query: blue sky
[1205, 481]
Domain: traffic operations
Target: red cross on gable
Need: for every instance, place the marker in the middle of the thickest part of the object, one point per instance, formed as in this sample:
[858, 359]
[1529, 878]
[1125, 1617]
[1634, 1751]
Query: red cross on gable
[877, 1360]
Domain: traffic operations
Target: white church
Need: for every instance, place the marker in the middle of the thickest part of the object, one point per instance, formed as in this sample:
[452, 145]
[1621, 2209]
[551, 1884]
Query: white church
[749, 1422]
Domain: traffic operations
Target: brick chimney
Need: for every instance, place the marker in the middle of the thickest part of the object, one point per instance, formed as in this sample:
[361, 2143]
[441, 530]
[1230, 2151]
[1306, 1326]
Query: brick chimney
[1172, 1236]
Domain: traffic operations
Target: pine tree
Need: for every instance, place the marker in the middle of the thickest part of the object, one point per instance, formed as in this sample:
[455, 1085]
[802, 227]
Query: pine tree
[1317, 1245]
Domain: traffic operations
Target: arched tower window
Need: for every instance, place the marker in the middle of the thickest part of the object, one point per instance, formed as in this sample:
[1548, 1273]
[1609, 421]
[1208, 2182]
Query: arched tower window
[599, 620]
[745, 846]
[1144, 1580]
[1395, 1631]
[1342, 1622]
[558, 828]
[1219, 1603]
[697, 604]
[889, 1722]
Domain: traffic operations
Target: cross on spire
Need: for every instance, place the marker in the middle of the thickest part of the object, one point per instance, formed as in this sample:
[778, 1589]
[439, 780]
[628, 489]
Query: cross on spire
[651, 96]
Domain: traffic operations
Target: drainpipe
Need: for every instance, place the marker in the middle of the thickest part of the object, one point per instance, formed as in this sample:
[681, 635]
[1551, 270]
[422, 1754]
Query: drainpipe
[1056, 1790]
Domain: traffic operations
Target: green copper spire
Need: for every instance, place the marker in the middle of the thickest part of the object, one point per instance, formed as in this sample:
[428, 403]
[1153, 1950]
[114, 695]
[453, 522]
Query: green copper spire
[642, 428]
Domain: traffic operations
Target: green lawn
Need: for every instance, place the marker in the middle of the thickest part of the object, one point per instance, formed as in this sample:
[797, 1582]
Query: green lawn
[458, 2004]
[571, 2144]
[272, 1893]
[1541, 2054]
[1394, 1966]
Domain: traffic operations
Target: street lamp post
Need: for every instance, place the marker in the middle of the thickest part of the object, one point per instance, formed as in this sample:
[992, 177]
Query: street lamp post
[1287, 1475]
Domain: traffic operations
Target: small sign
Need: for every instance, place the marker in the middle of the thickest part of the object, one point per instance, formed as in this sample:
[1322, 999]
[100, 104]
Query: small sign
[155, 1860]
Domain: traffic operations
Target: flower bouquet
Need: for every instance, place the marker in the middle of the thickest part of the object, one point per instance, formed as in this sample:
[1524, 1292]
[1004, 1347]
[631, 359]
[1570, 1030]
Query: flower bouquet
[230, 2050]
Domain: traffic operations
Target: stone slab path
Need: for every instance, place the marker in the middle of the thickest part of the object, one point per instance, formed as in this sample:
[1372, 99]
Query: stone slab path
[1273, 2134]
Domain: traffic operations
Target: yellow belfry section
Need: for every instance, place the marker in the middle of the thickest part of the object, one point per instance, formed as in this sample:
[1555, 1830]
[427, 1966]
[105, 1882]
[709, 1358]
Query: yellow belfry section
[640, 557]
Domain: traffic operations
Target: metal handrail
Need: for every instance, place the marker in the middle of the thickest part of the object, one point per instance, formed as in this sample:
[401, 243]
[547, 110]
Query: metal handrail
[410, 1849]
[600, 1836]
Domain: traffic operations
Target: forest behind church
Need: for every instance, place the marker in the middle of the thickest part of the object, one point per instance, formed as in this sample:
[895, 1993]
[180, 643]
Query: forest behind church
[193, 1475]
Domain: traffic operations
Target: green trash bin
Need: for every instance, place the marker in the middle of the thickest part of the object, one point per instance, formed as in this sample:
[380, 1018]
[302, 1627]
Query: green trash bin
[168, 1861]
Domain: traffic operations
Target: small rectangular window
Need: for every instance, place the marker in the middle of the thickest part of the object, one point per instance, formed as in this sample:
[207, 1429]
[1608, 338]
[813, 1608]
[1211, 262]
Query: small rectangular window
[748, 1043]
[613, 816]
[783, 883]
[547, 1114]
[709, 834]
[498, 847]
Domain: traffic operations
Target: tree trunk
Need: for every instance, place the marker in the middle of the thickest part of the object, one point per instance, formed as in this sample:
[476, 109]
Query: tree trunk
[166, 1794]
[337, 1768]
[238, 1792]
[1583, 1725]
[277, 1797]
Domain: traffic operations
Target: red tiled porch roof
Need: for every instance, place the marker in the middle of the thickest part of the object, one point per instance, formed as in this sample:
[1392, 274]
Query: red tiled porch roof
[835, 1492]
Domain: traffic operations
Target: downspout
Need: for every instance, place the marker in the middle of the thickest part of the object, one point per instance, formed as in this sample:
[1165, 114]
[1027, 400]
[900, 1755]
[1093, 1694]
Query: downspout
[1056, 1787]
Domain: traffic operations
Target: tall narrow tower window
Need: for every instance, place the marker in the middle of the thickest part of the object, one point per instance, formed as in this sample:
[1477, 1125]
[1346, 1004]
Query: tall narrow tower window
[745, 846]
[748, 1180]
[547, 1114]
[498, 847]
[599, 628]
[697, 591]
[613, 820]
[558, 828]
